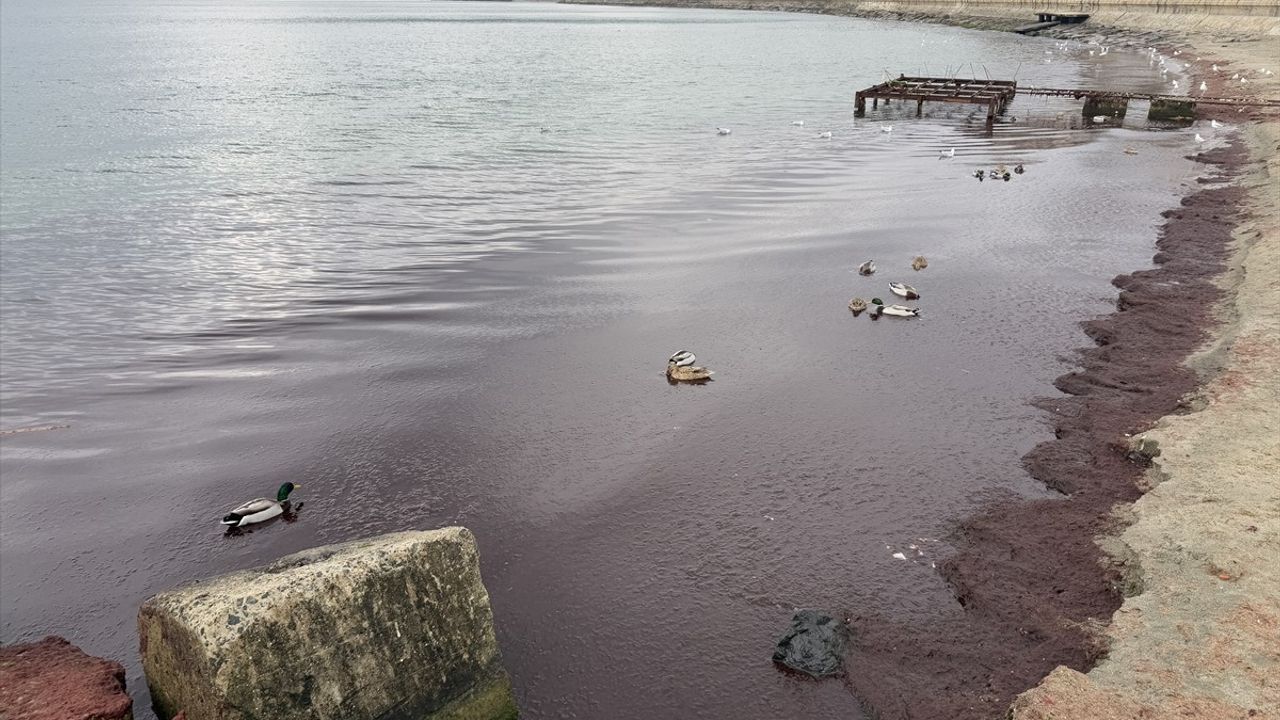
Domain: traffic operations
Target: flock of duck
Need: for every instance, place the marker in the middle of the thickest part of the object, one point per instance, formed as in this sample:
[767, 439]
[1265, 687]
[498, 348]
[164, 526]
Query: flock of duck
[682, 365]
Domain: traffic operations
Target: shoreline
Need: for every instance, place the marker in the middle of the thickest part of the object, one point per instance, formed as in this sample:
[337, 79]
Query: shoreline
[1115, 606]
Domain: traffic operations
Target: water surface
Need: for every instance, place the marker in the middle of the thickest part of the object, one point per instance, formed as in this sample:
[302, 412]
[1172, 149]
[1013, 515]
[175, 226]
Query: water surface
[428, 260]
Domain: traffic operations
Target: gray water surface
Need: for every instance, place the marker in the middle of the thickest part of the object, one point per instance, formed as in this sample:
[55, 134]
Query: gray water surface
[428, 259]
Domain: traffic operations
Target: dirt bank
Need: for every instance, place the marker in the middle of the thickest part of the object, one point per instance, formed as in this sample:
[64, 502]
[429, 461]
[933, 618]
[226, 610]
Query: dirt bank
[1201, 638]
[1193, 351]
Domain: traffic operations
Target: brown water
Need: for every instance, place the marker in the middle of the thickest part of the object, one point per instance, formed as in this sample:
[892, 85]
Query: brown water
[429, 263]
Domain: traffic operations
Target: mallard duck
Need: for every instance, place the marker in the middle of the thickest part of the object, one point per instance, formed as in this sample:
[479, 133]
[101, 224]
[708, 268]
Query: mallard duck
[904, 290]
[980, 175]
[681, 368]
[256, 511]
[857, 305]
[1018, 169]
[947, 154]
[918, 263]
[900, 311]
[867, 267]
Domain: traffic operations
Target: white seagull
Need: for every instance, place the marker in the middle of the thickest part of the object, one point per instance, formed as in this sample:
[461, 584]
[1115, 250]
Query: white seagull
[798, 123]
[947, 154]
[1215, 124]
[723, 131]
[1198, 138]
[886, 128]
[1203, 87]
[826, 135]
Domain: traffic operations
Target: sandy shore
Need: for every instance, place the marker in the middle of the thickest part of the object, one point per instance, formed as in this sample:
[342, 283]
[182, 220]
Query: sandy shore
[1189, 364]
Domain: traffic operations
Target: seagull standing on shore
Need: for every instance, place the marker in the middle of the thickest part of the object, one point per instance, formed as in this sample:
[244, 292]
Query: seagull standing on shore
[1203, 87]
[1198, 138]
[1215, 124]
[1215, 67]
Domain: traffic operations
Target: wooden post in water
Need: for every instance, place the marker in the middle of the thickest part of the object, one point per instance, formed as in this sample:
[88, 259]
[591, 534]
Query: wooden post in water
[859, 105]
[919, 108]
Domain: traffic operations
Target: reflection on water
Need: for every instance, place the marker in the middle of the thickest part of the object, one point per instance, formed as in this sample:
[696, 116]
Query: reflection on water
[432, 259]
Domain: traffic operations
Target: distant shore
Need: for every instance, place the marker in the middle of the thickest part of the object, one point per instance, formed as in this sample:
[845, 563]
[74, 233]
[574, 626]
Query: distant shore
[1181, 399]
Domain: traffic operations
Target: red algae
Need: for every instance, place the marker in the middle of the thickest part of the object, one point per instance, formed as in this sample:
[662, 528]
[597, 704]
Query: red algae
[1032, 583]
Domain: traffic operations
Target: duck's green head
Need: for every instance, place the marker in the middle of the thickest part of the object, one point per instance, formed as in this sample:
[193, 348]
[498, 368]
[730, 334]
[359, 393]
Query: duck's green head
[877, 301]
[283, 493]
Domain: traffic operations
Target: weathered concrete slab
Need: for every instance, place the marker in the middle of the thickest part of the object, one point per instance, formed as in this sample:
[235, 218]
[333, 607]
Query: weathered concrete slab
[394, 627]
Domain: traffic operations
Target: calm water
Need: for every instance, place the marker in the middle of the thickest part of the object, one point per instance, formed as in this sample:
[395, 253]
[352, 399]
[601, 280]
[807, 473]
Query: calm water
[428, 260]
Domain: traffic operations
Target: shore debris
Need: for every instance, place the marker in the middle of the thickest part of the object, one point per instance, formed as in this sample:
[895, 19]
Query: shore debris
[867, 268]
[857, 305]
[681, 368]
[723, 131]
[813, 645]
[904, 290]
[918, 263]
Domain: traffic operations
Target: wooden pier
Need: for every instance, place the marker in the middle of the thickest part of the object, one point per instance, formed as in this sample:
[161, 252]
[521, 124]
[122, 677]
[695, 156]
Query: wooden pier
[996, 95]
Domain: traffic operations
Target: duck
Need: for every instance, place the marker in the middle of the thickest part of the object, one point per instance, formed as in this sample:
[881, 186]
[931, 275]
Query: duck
[681, 368]
[1131, 151]
[825, 135]
[904, 290]
[947, 154]
[261, 509]
[1018, 169]
[980, 175]
[723, 131]
[857, 305]
[918, 263]
[899, 311]
[798, 123]
[886, 128]
[867, 268]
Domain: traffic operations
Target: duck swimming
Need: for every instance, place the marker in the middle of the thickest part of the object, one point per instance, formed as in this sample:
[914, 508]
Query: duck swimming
[857, 305]
[919, 263]
[867, 267]
[261, 509]
[900, 310]
[681, 368]
[904, 290]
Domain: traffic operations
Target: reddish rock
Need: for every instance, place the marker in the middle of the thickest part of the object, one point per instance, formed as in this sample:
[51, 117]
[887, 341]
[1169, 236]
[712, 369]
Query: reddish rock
[55, 680]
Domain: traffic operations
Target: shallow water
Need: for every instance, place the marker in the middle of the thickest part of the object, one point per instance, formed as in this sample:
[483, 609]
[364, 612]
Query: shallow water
[428, 260]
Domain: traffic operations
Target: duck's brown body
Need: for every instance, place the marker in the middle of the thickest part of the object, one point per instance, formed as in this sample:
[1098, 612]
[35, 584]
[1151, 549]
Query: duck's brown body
[687, 373]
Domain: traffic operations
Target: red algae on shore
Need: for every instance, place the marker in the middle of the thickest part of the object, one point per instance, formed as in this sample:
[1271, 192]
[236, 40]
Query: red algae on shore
[1032, 583]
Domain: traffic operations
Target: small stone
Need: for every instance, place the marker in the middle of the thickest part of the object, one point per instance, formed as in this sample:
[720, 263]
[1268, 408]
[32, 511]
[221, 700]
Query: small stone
[814, 645]
[55, 680]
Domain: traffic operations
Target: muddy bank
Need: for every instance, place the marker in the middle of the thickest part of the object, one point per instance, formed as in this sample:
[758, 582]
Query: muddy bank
[1028, 574]
[1201, 637]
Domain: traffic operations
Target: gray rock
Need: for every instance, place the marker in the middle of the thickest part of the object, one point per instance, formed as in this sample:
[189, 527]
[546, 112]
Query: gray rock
[394, 627]
[814, 645]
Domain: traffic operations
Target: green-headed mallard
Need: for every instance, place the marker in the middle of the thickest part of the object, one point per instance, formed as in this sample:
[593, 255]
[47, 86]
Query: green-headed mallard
[256, 511]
